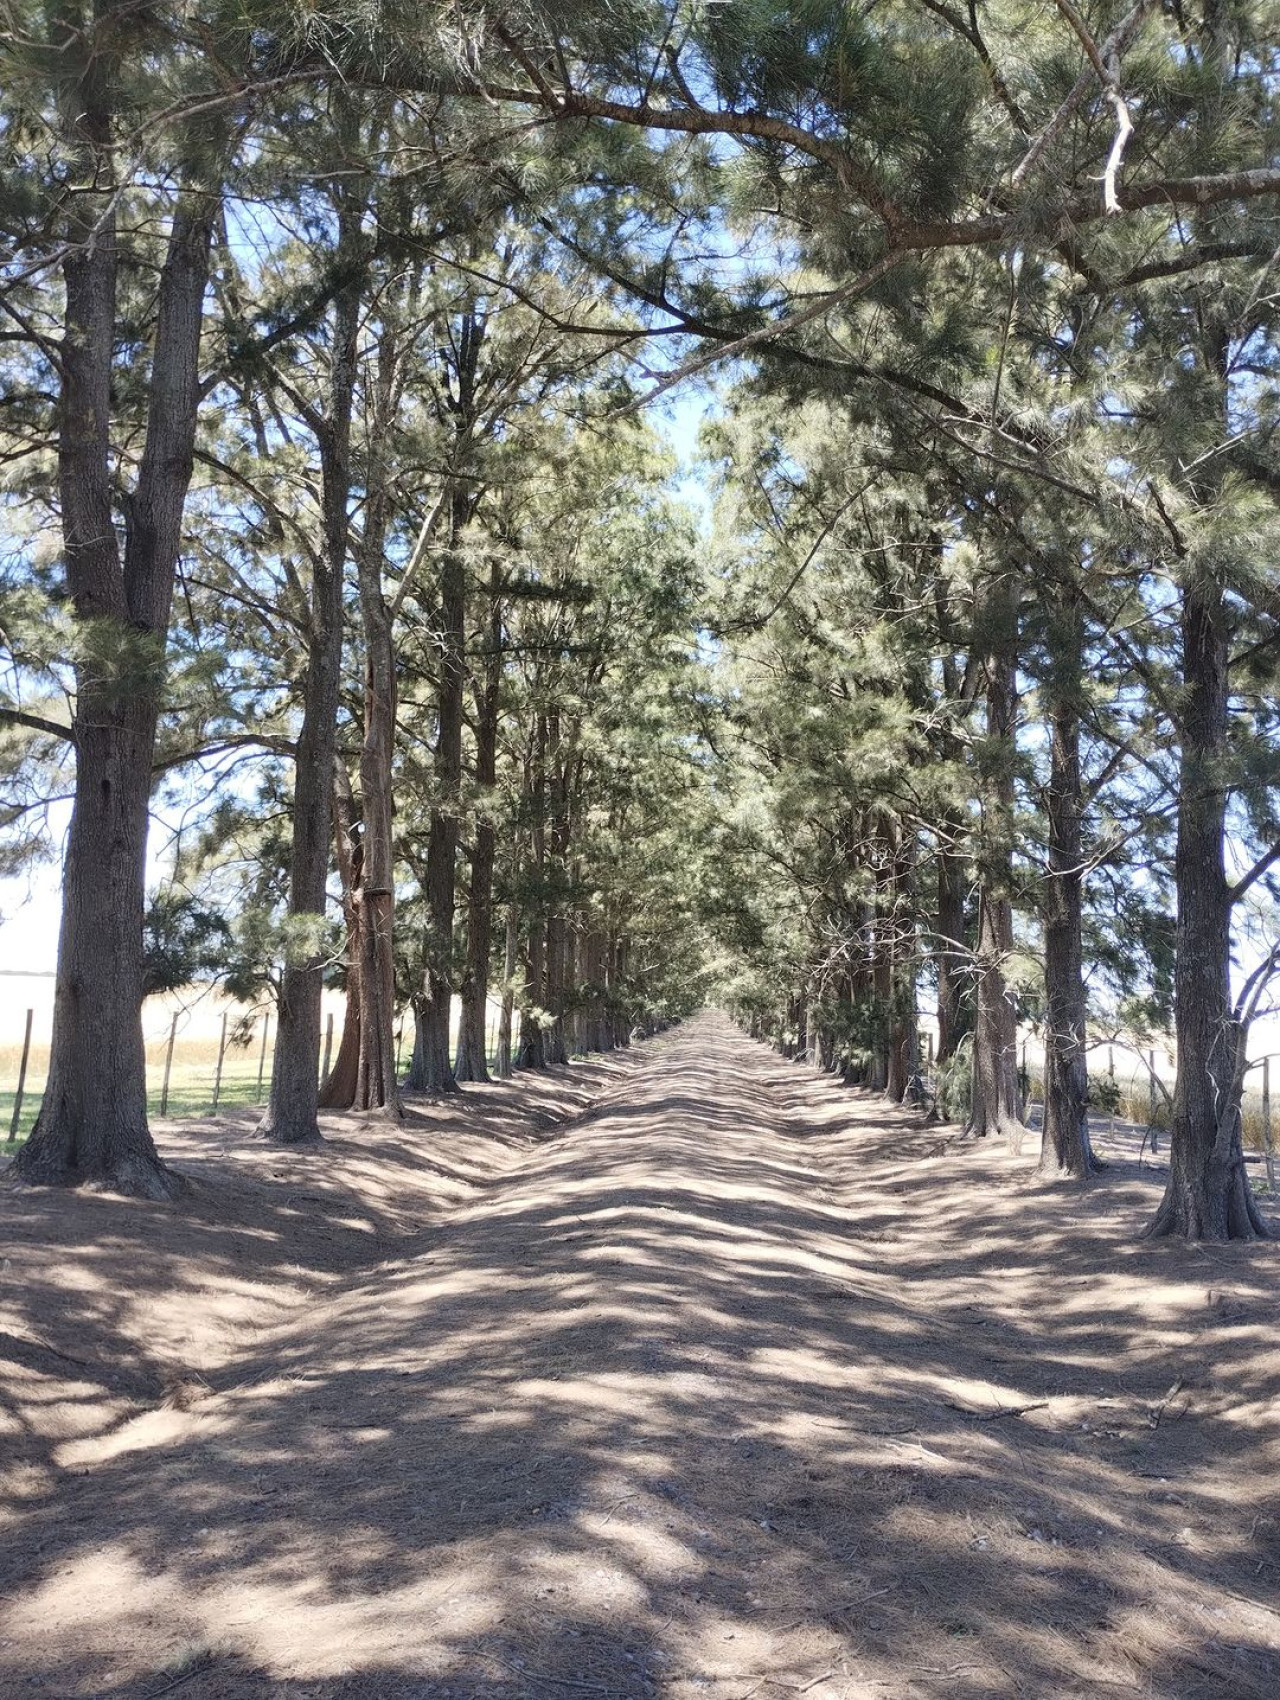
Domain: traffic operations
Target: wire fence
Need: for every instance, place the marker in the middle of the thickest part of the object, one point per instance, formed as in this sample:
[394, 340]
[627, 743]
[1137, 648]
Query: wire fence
[193, 1068]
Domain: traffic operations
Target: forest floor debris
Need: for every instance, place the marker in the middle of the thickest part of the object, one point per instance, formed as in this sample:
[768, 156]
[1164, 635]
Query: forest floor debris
[590, 1382]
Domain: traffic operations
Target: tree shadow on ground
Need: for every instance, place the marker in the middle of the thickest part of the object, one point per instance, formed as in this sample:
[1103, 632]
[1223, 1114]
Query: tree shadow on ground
[717, 1395]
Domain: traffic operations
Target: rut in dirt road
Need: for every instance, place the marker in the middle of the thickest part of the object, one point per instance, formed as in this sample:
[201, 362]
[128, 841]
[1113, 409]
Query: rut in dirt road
[659, 1417]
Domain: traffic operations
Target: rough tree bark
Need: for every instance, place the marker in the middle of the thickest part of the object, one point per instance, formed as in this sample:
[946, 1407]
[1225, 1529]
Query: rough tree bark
[533, 1052]
[1207, 1196]
[291, 1109]
[364, 1076]
[375, 1086]
[597, 1033]
[533, 1035]
[1064, 1146]
[338, 1091]
[432, 1067]
[92, 1125]
[954, 964]
[884, 928]
[506, 1018]
[618, 964]
[473, 1060]
[560, 759]
[997, 1103]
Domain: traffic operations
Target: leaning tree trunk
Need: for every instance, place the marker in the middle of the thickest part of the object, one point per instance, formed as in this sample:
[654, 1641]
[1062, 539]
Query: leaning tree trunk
[997, 1101]
[1064, 1147]
[1207, 1196]
[291, 1110]
[92, 1125]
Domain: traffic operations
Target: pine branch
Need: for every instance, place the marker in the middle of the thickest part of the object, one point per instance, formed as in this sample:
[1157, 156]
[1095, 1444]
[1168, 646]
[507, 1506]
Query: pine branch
[37, 723]
[1107, 54]
[1255, 873]
[266, 741]
[768, 333]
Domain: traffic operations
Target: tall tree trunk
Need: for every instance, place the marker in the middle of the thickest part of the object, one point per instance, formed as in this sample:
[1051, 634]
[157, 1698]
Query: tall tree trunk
[1064, 1145]
[881, 1010]
[533, 1035]
[473, 1057]
[997, 1101]
[291, 1109]
[432, 1069]
[533, 1052]
[473, 998]
[506, 1018]
[953, 961]
[92, 1125]
[1207, 1196]
[618, 992]
[575, 1015]
[364, 1077]
[376, 1087]
[339, 1090]
[559, 759]
[904, 1038]
[597, 1032]
[997, 1104]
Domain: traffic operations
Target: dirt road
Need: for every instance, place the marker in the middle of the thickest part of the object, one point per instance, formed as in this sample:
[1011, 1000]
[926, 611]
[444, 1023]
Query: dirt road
[734, 1386]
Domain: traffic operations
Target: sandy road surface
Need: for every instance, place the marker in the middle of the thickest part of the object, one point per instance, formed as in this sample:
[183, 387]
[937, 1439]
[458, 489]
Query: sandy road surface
[736, 1387]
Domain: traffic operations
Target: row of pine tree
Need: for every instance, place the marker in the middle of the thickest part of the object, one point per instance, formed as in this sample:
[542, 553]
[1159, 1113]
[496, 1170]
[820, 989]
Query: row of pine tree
[335, 510]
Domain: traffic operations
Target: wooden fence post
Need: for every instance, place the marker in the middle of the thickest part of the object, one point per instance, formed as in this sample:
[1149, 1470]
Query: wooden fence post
[217, 1073]
[22, 1077]
[168, 1066]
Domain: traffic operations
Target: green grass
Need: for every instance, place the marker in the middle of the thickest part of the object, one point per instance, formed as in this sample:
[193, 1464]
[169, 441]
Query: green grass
[190, 1083]
[190, 1090]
